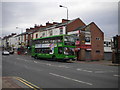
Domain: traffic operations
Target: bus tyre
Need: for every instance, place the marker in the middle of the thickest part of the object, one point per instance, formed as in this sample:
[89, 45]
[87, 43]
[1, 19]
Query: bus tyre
[35, 57]
[53, 58]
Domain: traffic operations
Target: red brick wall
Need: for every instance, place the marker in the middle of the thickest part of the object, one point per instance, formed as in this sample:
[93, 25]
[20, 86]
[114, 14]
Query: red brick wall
[25, 38]
[97, 44]
[32, 36]
[65, 20]
[75, 24]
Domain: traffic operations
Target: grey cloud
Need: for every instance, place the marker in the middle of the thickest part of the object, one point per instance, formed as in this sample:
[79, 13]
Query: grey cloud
[26, 14]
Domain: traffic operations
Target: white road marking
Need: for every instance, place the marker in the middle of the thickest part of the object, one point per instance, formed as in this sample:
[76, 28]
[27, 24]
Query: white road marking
[63, 66]
[20, 59]
[35, 62]
[48, 64]
[103, 71]
[99, 71]
[116, 75]
[83, 70]
[71, 79]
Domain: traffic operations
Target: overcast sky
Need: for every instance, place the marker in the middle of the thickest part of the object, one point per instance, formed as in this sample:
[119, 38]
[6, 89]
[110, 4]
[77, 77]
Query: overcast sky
[25, 14]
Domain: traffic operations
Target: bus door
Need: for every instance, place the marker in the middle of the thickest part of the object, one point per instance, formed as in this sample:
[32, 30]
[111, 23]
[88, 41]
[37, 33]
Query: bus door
[60, 52]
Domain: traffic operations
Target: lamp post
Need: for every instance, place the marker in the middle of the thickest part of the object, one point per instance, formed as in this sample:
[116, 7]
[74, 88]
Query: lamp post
[21, 29]
[21, 34]
[66, 8]
[67, 15]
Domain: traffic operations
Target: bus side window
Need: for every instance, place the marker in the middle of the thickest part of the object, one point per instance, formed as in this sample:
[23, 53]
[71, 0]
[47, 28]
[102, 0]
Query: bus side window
[60, 50]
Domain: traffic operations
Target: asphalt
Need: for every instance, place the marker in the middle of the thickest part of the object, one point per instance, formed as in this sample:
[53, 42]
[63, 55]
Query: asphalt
[53, 74]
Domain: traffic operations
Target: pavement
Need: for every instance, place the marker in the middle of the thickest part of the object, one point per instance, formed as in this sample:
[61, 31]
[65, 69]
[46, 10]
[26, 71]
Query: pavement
[52, 74]
[10, 82]
[103, 62]
[17, 83]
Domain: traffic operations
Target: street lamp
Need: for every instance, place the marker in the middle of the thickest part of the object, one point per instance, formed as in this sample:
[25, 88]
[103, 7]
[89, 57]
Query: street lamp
[21, 34]
[66, 8]
[21, 29]
[67, 15]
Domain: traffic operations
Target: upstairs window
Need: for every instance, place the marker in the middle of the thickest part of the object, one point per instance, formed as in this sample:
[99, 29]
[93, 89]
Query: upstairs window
[97, 38]
[50, 32]
[61, 30]
[43, 34]
[36, 35]
[97, 51]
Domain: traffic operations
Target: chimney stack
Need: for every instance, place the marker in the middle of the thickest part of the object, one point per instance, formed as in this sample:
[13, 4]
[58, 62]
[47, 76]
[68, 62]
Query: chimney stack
[41, 26]
[27, 30]
[48, 24]
[55, 22]
[65, 20]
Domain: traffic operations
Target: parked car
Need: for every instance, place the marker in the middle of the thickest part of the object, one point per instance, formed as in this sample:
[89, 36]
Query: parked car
[11, 52]
[5, 53]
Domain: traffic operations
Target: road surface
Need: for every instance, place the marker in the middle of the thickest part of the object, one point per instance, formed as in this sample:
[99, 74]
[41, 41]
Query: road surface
[52, 74]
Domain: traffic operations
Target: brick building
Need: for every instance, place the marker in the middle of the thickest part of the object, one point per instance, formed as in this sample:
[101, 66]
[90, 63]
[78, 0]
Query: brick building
[97, 42]
[116, 49]
[91, 38]
[91, 42]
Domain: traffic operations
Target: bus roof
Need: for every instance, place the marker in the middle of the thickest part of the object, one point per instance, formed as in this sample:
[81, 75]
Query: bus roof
[50, 36]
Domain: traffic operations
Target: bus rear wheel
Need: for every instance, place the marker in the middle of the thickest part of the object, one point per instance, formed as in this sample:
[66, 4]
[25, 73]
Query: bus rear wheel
[53, 58]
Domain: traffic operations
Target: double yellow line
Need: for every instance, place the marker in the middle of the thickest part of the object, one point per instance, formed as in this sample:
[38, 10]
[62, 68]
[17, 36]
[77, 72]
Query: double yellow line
[34, 87]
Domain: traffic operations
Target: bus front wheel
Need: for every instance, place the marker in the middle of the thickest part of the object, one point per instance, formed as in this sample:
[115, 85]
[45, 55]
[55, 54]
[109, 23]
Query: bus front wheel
[36, 57]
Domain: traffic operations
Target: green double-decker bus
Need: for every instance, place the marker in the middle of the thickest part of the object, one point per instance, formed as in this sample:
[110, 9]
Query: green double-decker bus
[58, 47]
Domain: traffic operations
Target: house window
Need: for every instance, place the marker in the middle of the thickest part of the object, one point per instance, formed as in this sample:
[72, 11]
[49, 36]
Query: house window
[50, 32]
[36, 35]
[19, 38]
[61, 30]
[104, 42]
[97, 38]
[43, 34]
[97, 51]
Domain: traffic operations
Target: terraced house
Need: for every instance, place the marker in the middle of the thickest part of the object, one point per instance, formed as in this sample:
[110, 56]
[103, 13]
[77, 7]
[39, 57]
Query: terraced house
[90, 37]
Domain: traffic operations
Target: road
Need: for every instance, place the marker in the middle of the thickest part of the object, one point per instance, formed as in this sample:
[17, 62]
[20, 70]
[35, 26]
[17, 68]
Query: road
[52, 74]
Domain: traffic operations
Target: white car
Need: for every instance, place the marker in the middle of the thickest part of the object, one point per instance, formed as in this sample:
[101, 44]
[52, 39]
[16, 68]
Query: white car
[5, 53]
